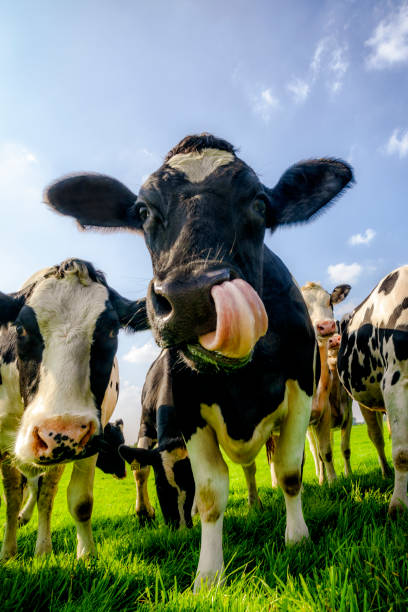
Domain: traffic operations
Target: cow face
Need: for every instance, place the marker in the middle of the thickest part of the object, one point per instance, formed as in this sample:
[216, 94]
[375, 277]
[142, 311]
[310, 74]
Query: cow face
[63, 336]
[203, 215]
[320, 304]
[173, 476]
[109, 460]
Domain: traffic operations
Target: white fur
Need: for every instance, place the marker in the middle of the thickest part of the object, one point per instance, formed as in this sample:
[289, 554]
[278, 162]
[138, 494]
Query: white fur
[198, 166]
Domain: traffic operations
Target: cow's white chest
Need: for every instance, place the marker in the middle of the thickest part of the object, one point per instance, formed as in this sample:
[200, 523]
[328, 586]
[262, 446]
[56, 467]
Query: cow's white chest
[244, 451]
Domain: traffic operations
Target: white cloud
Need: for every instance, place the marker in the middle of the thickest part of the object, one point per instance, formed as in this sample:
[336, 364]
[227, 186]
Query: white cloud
[397, 143]
[338, 66]
[344, 273]
[145, 354]
[364, 238]
[264, 104]
[389, 42]
[299, 89]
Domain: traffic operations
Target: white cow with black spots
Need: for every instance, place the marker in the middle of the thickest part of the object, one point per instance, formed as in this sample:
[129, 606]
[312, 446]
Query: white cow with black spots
[373, 365]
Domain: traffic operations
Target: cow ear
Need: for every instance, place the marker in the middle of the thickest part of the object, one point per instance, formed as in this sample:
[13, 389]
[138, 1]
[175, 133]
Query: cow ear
[305, 188]
[94, 200]
[339, 293]
[139, 457]
[132, 314]
[10, 306]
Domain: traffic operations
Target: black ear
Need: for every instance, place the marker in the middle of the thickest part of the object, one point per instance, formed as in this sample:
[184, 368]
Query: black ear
[306, 187]
[93, 200]
[339, 293]
[132, 314]
[140, 456]
[10, 306]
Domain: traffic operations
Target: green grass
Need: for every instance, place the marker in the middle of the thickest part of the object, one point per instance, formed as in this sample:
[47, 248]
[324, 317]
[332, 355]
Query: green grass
[357, 558]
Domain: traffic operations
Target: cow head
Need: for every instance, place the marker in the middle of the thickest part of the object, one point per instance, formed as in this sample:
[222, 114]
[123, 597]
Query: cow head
[203, 215]
[320, 304]
[62, 330]
[109, 460]
[173, 476]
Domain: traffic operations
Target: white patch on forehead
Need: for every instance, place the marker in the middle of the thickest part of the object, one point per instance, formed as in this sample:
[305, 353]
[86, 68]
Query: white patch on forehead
[198, 166]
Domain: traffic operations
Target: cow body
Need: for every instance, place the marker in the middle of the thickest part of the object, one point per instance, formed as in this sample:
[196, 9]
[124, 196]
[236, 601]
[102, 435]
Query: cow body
[59, 386]
[373, 365]
[216, 285]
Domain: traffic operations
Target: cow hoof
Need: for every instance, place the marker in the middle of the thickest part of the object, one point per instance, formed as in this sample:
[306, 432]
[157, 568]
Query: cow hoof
[22, 520]
[397, 508]
[255, 504]
[145, 517]
[43, 550]
[204, 581]
[298, 535]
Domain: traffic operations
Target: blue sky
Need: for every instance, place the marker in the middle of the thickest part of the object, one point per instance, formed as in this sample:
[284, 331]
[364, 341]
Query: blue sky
[112, 86]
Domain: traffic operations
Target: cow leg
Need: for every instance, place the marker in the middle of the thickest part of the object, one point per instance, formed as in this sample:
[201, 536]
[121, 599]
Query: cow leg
[374, 422]
[29, 500]
[270, 451]
[289, 462]
[80, 502]
[13, 490]
[345, 443]
[325, 448]
[144, 509]
[249, 473]
[314, 449]
[212, 483]
[47, 486]
[395, 399]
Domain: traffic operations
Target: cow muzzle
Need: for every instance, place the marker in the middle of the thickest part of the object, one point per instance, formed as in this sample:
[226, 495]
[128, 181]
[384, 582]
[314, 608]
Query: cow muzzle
[216, 319]
[56, 439]
[325, 329]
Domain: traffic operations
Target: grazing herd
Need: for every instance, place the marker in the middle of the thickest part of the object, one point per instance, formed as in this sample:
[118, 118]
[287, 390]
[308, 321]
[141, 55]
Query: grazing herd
[227, 314]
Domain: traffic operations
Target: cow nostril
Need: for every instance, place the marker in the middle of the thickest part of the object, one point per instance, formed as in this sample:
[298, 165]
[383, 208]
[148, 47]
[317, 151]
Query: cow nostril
[161, 304]
[39, 441]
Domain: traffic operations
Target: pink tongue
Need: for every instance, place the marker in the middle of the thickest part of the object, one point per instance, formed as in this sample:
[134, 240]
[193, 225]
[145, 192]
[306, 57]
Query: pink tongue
[241, 320]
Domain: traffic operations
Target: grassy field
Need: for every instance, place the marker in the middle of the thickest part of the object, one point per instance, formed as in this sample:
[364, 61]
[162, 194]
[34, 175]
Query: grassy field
[357, 558]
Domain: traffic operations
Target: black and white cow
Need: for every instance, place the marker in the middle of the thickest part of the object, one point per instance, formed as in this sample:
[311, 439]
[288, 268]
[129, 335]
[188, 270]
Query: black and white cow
[58, 388]
[373, 365]
[172, 470]
[235, 378]
[109, 461]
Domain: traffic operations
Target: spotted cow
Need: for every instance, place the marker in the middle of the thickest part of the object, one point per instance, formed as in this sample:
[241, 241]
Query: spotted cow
[225, 307]
[373, 365]
[58, 388]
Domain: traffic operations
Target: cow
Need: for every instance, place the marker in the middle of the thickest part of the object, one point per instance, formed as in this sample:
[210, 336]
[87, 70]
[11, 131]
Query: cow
[109, 461]
[226, 308]
[58, 388]
[172, 470]
[373, 366]
[326, 417]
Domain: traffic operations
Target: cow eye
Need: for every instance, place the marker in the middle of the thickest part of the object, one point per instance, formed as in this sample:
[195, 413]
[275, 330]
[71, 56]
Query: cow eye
[144, 212]
[21, 331]
[259, 206]
[113, 333]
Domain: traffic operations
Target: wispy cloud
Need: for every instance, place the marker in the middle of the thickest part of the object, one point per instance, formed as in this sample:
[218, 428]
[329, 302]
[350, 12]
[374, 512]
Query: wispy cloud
[389, 42]
[145, 354]
[129, 408]
[343, 307]
[364, 238]
[344, 273]
[329, 63]
[264, 103]
[299, 89]
[397, 143]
